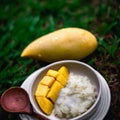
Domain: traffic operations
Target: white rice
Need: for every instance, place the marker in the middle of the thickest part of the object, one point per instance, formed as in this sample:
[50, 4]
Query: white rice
[76, 98]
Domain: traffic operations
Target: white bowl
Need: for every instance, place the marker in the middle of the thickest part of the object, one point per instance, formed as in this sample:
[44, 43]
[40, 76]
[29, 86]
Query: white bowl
[77, 68]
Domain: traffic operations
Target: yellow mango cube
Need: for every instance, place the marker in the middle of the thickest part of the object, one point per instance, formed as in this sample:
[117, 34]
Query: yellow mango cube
[42, 90]
[52, 73]
[54, 91]
[60, 78]
[47, 80]
[45, 104]
[63, 70]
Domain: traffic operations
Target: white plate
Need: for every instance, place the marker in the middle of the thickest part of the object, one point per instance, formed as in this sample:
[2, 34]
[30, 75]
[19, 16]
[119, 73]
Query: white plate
[100, 112]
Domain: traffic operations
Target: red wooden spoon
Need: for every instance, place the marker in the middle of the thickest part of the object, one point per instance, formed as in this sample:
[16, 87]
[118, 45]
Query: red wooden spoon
[16, 100]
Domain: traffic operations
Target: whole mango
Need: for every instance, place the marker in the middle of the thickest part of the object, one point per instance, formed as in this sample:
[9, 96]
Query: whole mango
[66, 43]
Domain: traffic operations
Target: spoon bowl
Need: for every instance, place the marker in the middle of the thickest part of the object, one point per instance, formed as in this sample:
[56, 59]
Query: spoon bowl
[16, 100]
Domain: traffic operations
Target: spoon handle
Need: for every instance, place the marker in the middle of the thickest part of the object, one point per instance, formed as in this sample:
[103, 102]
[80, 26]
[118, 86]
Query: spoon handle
[40, 117]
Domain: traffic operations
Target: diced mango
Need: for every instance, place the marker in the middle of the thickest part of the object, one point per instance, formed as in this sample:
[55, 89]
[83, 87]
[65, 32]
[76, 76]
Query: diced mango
[63, 70]
[49, 88]
[60, 78]
[45, 104]
[47, 80]
[52, 73]
[42, 90]
[54, 91]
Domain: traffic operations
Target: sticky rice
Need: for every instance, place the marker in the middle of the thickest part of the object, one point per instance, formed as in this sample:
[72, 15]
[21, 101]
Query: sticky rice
[76, 98]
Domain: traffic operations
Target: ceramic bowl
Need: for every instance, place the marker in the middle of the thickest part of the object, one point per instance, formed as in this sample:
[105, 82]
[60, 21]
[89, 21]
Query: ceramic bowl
[76, 67]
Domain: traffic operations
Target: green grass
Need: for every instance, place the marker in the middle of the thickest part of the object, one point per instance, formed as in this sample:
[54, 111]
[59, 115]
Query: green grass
[22, 22]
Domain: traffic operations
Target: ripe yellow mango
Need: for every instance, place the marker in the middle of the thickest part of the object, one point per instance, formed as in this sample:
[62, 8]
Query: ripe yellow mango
[45, 104]
[54, 91]
[52, 73]
[64, 71]
[49, 88]
[47, 80]
[66, 43]
[61, 79]
[42, 90]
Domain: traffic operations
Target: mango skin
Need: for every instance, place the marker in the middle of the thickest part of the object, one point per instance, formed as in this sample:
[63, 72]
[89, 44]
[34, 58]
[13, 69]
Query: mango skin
[66, 43]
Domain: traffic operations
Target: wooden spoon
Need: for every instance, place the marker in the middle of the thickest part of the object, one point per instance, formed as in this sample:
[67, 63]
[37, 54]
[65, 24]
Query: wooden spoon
[16, 100]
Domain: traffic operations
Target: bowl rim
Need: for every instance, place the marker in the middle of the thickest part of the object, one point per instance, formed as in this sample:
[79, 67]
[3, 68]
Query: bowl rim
[83, 115]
